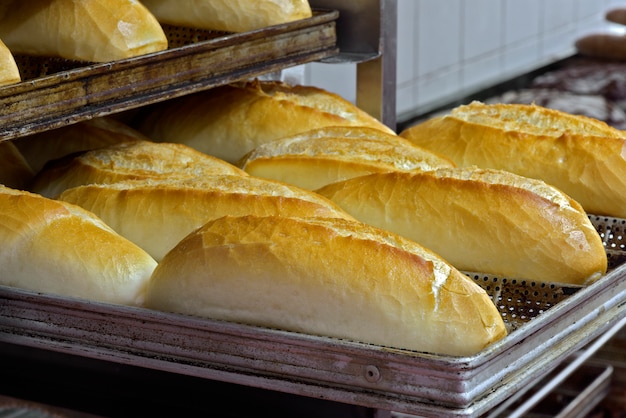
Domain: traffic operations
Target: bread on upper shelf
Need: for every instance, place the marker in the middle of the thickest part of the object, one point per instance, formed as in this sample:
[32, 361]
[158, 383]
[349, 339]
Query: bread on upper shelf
[326, 155]
[583, 157]
[94, 30]
[231, 120]
[228, 15]
[326, 277]
[9, 71]
[481, 220]
[55, 247]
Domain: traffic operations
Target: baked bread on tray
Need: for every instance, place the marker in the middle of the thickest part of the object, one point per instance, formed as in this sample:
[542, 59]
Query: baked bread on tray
[582, 156]
[326, 277]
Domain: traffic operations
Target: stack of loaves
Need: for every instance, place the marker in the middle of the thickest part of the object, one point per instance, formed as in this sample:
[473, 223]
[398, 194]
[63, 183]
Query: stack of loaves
[288, 207]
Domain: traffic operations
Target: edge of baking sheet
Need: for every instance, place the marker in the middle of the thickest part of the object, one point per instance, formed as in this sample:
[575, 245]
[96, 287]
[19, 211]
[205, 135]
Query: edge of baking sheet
[99, 89]
[344, 371]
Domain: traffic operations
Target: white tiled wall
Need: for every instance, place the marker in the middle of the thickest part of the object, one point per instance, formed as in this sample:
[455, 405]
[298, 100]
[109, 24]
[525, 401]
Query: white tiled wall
[449, 48]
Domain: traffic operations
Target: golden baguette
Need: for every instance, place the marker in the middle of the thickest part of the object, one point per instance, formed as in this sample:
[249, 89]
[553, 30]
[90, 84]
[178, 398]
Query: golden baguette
[9, 71]
[230, 121]
[327, 277]
[95, 30]
[135, 160]
[156, 214]
[228, 15]
[55, 247]
[583, 157]
[316, 158]
[481, 220]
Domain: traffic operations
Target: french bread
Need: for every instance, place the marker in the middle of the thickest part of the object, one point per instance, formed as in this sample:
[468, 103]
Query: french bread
[316, 158]
[583, 157]
[94, 30]
[228, 15]
[157, 214]
[136, 160]
[616, 15]
[602, 45]
[15, 172]
[327, 277]
[40, 148]
[481, 220]
[9, 71]
[55, 247]
[230, 121]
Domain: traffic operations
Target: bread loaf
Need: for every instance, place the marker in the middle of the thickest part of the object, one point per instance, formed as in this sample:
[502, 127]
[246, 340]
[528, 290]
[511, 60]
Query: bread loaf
[137, 160]
[94, 30]
[583, 157]
[230, 121]
[55, 247]
[157, 214]
[617, 15]
[323, 156]
[481, 220]
[228, 15]
[602, 45]
[327, 277]
[15, 172]
[40, 148]
[9, 71]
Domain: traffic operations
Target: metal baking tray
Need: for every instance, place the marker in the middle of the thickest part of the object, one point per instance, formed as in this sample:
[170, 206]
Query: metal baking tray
[548, 323]
[56, 92]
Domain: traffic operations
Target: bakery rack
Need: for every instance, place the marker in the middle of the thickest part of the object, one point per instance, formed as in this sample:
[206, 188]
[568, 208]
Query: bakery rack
[554, 329]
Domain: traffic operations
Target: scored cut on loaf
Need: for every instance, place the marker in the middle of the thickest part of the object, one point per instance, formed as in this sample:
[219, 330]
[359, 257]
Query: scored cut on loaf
[156, 214]
[59, 248]
[228, 15]
[327, 277]
[230, 121]
[316, 158]
[481, 220]
[135, 160]
[9, 71]
[583, 157]
[94, 31]
[42, 147]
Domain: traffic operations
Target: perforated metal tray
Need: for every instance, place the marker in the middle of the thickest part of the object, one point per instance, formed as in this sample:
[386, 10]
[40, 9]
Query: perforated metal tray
[548, 324]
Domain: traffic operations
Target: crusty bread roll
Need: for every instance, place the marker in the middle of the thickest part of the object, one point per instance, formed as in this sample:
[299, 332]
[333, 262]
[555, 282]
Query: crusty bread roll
[42, 147]
[15, 172]
[157, 214]
[616, 15]
[9, 71]
[314, 159]
[55, 247]
[583, 157]
[94, 30]
[602, 45]
[136, 160]
[229, 121]
[328, 277]
[481, 220]
[228, 15]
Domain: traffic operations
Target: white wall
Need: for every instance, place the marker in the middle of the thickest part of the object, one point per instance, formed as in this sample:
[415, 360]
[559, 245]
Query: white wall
[449, 48]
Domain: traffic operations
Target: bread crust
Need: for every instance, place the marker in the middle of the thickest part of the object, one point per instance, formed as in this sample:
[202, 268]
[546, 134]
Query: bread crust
[95, 30]
[583, 157]
[479, 220]
[327, 277]
[230, 121]
[54, 247]
[156, 214]
[9, 71]
[228, 15]
[316, 158]
[133, 160]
